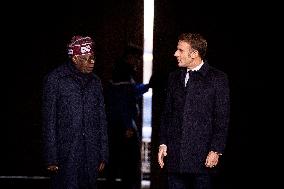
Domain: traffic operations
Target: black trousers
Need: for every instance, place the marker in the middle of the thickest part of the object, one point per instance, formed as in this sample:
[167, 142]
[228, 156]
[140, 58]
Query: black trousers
[189, 181]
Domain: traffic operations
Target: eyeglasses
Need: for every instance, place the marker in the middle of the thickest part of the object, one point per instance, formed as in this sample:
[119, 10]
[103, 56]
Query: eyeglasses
[85, 58]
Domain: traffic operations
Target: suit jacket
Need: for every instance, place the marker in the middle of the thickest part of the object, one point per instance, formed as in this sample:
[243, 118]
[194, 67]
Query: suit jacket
[195, 118]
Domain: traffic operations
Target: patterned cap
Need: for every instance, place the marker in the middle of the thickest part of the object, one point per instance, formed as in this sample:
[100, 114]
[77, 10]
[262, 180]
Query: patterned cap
[80, 45]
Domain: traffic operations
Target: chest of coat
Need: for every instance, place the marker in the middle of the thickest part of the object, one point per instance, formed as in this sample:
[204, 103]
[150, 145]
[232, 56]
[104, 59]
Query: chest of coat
[198, 95]
[71, 92]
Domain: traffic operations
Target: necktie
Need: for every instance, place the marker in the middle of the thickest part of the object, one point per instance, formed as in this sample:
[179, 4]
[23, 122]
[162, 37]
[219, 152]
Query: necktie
[186, 77]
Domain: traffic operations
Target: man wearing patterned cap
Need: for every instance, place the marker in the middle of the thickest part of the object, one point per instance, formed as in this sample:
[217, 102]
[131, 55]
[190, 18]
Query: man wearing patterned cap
[74, 122]
[80, 49]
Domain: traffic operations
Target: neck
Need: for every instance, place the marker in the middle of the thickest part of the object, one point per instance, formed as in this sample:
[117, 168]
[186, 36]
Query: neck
[195, 62]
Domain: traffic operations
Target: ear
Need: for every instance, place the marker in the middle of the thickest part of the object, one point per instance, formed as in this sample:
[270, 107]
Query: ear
[195, 54]
[74, 59]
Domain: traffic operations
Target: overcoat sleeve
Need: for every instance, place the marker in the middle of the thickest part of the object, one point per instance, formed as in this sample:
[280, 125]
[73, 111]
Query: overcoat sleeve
[166, 115]
[221, 114]
[104, 153]
[49, 98]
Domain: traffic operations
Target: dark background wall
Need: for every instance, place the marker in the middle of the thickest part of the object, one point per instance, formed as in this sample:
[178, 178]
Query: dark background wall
[34, 38]
[242, 39]
[222, 26]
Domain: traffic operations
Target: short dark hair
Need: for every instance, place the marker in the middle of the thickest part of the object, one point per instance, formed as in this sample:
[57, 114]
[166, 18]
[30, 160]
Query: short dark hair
[196, 41]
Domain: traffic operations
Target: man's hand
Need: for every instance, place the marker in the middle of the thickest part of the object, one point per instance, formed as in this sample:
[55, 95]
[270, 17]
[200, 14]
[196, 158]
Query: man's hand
[212, 159]
[52, 168]
[101, 166]
[162, 153]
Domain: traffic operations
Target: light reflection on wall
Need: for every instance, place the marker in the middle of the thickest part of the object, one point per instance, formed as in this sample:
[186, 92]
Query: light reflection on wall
[147, 66]
[147, 97]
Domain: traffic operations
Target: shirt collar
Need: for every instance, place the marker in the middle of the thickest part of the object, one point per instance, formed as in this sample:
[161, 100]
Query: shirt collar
[197, 67]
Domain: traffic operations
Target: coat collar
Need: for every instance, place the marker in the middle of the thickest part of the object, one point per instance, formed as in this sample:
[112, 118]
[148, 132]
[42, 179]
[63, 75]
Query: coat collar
[202, 71]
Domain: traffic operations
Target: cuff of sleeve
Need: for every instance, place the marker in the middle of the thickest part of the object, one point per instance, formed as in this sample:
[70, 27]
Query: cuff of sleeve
[217, 153]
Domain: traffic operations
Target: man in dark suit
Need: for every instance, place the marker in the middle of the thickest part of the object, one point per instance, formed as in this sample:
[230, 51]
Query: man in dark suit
[195, 121]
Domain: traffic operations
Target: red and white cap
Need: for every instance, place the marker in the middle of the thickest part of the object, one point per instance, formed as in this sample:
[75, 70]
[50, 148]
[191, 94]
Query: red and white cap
[80, 45]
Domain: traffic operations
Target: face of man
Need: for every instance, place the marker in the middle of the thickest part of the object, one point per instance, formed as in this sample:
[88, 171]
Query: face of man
[184, 54]
[84, 63]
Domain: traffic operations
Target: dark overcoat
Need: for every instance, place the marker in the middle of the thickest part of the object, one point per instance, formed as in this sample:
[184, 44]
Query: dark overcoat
[195, 119]
[74, 126]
